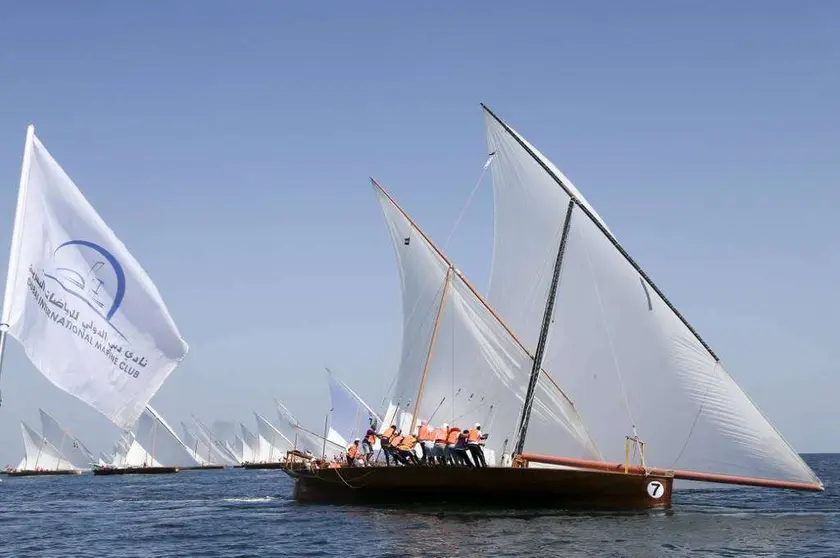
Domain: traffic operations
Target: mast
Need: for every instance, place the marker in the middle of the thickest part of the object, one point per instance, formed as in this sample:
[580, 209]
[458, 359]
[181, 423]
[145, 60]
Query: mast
[326, 429]
[429, 354]
[541, 343]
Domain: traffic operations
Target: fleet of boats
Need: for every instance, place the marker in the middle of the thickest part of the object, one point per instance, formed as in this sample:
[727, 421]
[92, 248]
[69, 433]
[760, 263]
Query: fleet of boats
[594, 390]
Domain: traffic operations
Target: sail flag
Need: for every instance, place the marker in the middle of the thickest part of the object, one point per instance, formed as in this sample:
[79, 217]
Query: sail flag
[87, 314]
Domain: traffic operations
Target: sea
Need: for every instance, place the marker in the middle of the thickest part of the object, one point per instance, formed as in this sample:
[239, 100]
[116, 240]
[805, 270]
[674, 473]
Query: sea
[244, 513]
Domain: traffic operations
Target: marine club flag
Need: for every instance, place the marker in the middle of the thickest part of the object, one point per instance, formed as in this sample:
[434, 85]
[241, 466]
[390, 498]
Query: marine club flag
[87, 314]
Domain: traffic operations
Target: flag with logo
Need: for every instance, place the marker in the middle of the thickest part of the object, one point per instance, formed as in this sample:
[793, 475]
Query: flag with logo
[87, 314]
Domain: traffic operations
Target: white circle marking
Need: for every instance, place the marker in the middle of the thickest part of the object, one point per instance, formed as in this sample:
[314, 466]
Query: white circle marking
[655, 489]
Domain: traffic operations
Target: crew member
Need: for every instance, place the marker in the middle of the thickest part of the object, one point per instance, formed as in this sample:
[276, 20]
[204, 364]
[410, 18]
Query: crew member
[406, 449]
[426, 437]
[451, 440]
[352, 452]
[474, 439]
[459, 451]
[439, 454]
[385, 442]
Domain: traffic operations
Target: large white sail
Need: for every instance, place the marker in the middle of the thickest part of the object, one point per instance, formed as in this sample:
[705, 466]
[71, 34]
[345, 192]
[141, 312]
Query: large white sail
[273, 444]
[86, 313]
[476, 372]
[350, 416]
[622, 353]
[69, 446]
[40, 454]
[162, 443]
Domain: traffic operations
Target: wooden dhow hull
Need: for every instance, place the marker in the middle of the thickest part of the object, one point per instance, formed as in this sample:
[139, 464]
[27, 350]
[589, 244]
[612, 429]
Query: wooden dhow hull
[521, 487]
[203, 468]
[134, 470]
[25, 473]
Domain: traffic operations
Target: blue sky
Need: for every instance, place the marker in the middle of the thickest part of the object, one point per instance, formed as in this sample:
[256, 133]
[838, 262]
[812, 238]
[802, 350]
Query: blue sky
[229, 145]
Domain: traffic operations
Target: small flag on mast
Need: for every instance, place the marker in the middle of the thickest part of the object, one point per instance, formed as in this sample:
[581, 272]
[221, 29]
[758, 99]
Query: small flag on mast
[88, 316]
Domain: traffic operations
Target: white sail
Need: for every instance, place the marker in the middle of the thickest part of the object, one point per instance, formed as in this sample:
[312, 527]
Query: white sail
[162, 443]
[138, 456]
[69, 446]
[350, 416]
[198, 449]
[273, 444]
[251, 445]
[627, 359]
[478, 371]
[238, 449]
[303, 438]
[218, 454]
[86, 313]
[40, 454]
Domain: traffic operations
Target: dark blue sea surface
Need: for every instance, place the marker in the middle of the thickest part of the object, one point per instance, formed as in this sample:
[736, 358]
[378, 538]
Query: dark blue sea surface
[238, 513]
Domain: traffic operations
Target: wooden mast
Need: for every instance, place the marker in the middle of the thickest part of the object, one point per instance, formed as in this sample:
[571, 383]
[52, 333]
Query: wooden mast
[431, 350]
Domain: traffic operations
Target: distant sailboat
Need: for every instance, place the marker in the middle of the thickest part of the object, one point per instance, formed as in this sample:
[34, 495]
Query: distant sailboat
[155, 449]
[565, 297]
[68, 445]
[273, 446]
[41, 457]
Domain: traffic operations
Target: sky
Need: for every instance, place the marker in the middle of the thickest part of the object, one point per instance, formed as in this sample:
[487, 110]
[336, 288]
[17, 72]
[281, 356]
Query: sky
[229, 144]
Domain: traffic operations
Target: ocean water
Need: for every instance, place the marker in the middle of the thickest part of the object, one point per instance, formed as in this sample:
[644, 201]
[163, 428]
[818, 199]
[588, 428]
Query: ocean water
[238, 513]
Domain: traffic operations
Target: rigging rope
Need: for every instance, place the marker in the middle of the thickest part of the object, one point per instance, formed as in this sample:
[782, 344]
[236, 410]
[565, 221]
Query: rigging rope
[469, 199]
[609, 336]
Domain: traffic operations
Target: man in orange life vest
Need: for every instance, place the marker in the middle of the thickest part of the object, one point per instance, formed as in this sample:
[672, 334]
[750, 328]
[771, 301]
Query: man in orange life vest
[385, 442]
[439, 454]
[426, 437]
[474, 439]
[451, 440]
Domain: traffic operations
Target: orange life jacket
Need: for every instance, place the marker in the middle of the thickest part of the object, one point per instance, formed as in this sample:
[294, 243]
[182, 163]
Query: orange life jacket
[396, 440]
[407, 443]
[370, 439]
[351, 451]
[424, 434]
[474, 436]
[440, 436]
[452, 437]
[389, 432]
